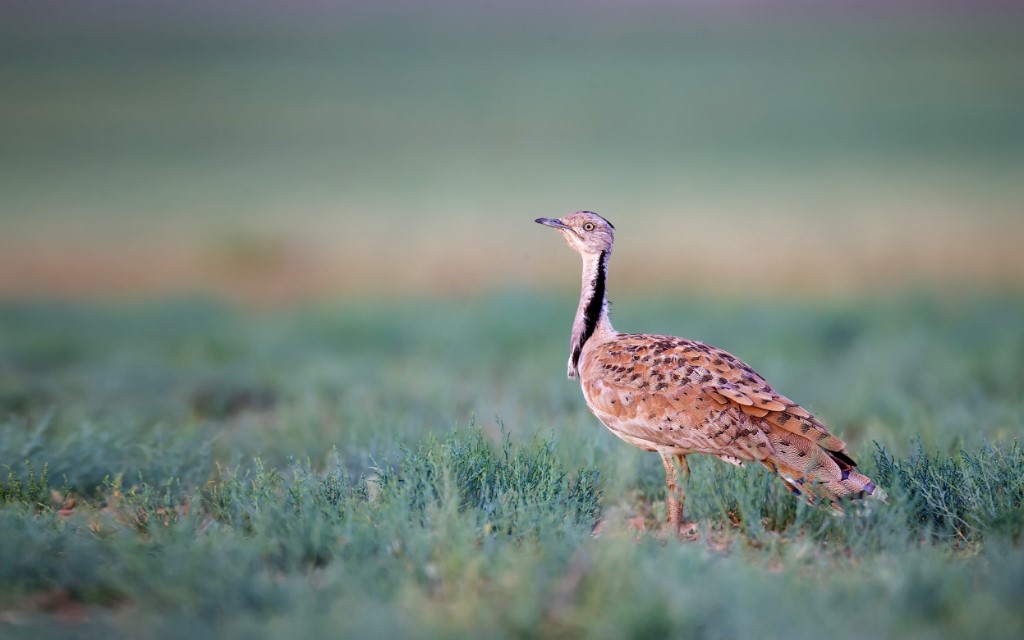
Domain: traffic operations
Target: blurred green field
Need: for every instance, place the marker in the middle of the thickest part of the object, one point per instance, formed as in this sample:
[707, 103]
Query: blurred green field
[422, 468]
[287, 155]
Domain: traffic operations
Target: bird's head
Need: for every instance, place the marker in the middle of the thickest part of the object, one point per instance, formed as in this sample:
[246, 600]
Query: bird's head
[584, 231]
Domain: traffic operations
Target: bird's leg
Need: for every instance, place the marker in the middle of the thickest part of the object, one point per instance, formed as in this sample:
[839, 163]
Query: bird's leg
[673, 495]
[675, 492]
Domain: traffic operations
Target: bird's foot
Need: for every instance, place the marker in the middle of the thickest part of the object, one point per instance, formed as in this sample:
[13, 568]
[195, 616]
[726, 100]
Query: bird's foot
[686, 531]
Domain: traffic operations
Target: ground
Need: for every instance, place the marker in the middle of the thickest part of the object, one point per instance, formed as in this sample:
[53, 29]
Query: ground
[423, 468]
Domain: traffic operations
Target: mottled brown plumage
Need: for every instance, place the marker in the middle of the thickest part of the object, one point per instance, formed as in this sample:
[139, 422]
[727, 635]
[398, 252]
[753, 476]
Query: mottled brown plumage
[677, 396]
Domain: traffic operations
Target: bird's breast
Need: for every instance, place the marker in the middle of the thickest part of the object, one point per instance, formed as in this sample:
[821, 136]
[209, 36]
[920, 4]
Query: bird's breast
[649, 420]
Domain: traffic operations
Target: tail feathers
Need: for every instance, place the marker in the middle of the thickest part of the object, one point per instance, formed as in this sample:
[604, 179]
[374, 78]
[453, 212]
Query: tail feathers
[816, 474]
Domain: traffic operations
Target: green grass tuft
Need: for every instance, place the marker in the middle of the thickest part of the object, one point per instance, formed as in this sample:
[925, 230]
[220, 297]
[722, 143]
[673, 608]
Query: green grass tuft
[33, 490]
[960, 497]
[513, 490]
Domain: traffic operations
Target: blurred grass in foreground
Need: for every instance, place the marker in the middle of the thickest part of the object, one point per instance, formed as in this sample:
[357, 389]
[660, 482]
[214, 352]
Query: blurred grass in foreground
[255, 474]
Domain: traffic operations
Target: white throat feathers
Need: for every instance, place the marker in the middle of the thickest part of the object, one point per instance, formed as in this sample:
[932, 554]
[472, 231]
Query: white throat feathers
[592, 313]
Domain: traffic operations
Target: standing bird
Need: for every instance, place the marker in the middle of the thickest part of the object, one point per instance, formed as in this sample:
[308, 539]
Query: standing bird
[678, 396]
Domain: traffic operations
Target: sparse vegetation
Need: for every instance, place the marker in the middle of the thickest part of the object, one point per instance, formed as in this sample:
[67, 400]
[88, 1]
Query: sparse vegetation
[354, 504]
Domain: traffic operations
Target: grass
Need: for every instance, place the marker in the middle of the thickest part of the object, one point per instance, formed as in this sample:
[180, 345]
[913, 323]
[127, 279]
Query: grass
[423, 469]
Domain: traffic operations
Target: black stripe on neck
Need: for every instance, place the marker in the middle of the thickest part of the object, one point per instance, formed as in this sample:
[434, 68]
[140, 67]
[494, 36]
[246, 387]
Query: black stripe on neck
[592, 312]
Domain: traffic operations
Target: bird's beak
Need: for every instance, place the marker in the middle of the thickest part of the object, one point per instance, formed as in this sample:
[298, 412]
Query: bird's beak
[549, 222]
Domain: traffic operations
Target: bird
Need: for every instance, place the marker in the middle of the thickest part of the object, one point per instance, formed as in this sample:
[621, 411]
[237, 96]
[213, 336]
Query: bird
[679, 397]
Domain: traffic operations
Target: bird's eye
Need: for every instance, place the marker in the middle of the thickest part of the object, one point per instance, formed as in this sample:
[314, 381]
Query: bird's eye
[589, 226]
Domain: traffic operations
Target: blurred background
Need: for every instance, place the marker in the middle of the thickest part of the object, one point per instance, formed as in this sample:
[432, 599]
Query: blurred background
[271, 153]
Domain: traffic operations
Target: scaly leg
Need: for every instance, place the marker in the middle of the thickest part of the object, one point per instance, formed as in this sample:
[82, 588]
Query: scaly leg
[676, 492]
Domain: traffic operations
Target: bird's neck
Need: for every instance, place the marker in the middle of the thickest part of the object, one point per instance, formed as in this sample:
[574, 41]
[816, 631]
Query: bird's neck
[592, 314]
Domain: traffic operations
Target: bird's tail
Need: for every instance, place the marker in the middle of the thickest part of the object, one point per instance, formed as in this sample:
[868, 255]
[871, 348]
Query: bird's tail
[816, 474]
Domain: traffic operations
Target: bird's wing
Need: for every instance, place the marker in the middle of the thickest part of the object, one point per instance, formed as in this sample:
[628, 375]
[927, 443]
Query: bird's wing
[667, 393]
[735, 381]
[667, 361]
